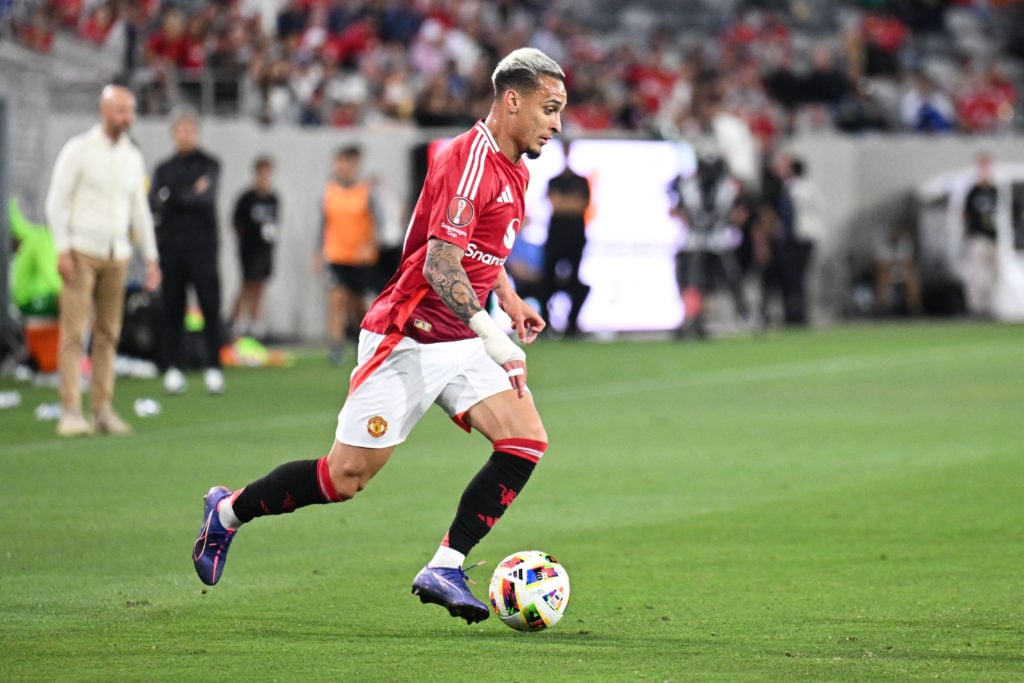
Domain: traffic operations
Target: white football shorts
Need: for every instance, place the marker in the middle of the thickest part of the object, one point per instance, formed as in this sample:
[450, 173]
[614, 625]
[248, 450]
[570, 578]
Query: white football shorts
[383, 409]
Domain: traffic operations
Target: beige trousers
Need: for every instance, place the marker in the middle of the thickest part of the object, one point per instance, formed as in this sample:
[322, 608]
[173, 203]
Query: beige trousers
[981, 267]
[97, 293]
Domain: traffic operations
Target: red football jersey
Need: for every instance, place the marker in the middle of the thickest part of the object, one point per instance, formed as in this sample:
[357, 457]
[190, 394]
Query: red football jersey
[473, 197]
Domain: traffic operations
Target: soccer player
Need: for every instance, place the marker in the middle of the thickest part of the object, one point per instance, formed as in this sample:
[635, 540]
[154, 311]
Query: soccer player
[427, 339]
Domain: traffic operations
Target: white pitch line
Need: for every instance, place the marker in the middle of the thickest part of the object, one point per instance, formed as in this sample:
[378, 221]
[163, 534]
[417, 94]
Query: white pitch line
[824, 366]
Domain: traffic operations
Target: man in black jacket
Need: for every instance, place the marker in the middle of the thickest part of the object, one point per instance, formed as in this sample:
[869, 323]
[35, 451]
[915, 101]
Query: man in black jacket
[183, 196]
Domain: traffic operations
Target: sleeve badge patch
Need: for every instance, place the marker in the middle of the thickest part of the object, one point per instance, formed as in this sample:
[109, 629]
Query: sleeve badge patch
[460, 212]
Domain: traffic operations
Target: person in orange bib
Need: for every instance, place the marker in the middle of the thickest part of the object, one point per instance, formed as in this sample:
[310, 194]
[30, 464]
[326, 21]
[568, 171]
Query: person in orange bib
[348, 246]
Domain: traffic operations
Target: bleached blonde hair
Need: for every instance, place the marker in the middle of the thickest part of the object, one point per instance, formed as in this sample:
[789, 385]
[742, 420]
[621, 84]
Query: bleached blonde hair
[521, 70]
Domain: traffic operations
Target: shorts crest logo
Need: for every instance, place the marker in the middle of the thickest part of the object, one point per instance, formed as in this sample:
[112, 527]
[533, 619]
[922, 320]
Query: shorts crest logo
[377, 426]
[460, 212]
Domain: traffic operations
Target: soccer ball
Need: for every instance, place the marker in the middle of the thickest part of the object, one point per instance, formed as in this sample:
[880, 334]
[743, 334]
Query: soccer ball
[529, 590]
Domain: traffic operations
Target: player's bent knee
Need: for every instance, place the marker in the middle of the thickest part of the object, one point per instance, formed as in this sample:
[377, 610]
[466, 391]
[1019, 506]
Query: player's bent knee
[348, 481]
[351, 468]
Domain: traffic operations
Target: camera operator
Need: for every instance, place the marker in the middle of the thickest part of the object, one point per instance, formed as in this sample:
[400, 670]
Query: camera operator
[711, 203]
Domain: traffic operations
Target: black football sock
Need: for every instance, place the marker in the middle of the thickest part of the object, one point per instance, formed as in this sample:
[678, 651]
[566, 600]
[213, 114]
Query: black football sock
[287, 488]
[487, 497]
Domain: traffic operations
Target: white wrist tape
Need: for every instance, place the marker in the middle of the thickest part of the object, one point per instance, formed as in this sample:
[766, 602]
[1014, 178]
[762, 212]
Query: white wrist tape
[496, 343]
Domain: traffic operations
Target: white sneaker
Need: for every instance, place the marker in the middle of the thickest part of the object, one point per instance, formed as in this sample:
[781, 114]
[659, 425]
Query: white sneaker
[109, 422]
[213, 378]
[174, 381]
[73, 423]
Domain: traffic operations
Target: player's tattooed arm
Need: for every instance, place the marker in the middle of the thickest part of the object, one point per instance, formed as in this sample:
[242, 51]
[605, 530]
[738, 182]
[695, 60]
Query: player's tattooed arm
[444, 272]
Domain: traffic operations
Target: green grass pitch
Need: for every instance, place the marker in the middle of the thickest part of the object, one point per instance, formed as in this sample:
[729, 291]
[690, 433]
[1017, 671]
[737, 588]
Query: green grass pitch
[841, 504]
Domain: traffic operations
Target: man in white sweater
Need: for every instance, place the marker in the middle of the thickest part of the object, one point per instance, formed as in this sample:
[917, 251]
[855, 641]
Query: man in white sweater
[96, 206]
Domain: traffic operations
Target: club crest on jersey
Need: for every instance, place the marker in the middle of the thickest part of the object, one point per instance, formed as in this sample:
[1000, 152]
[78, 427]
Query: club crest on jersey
[460, 212]
[377, 426]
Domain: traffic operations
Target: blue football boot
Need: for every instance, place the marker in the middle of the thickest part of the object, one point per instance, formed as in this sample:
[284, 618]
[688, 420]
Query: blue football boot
[211, 548]
[446, 586]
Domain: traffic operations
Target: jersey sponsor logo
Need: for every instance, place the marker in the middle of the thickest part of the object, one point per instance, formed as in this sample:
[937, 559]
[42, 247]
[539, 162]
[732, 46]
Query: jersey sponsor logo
[510, 233]
[473, 252]
[377, 426]
[460, 212]
[506, 196]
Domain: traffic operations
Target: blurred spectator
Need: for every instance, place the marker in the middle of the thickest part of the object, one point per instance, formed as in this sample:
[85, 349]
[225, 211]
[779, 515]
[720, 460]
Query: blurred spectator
[348, 246]
[427, 52]
[775, 250]
[400, 22]
[256, 220]
[884, 38]
[36, 32]
[925, 108]
[569, 194]
[66, 13]
[731, 134]
[981, 206]
[897, 281]
[292, 19]
[434, 107]
[98, 24]
[395, 98]
[131, 22]
[776, 66]
[860, 111]
[924, 16]
[165, 49]
[183, 195]
[711, 206]
[347, 94]
[988, 104]
[277, 99]
[167, 46]
[591, 112]
[95, 208]
[827, 83]
[809, 225]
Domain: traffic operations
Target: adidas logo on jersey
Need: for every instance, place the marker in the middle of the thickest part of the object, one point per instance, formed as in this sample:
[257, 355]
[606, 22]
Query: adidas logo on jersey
[506, 196]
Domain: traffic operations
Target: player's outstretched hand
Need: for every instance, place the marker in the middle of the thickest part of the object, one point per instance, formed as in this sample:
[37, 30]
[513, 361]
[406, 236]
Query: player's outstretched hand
[527, 322]
[516, 370]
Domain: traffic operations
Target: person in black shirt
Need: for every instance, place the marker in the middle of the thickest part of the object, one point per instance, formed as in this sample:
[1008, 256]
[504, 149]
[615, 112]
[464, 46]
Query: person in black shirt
[183, 196]
[569, 194]
[255, 220]
[980, 208]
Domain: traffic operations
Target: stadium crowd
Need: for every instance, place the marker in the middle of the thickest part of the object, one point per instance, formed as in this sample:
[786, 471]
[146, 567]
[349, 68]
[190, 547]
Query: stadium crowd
[781, 65]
